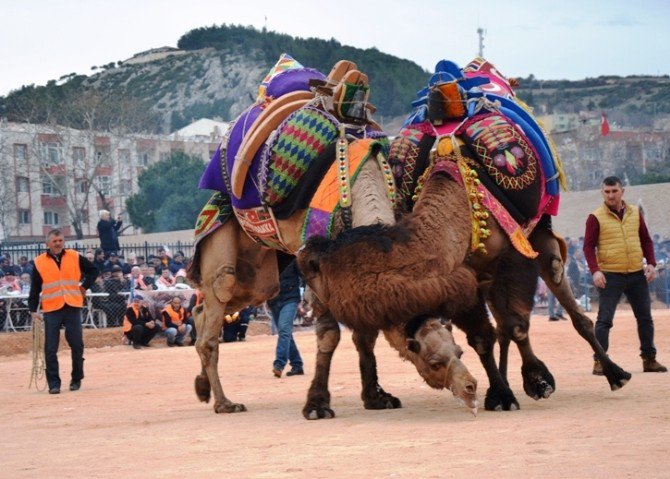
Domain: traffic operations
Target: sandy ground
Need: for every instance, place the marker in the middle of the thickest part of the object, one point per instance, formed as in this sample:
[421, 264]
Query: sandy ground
[137, 416]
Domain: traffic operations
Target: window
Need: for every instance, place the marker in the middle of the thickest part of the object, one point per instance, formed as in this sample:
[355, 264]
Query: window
[143, 157]
[125, 187]
[78, 156]
[51, 153]
[20, 152]
[104, 184]
[102, 156]
[24, 217]
[22, 184]
[51, 218]
[82, 186]
[49, 188]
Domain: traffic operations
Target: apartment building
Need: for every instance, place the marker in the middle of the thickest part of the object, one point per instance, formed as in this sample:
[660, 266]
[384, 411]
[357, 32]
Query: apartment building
[53, 176]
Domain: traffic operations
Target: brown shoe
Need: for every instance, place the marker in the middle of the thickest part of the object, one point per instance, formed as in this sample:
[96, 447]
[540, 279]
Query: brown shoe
[277, 373]
[597, 368]
[650, 365]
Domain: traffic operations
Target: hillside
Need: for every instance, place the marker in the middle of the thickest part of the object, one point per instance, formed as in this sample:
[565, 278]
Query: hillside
[215, 72]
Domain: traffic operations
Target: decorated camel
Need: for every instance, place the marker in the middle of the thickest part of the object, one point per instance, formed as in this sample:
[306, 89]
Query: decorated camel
[478, 182]
[305, 159]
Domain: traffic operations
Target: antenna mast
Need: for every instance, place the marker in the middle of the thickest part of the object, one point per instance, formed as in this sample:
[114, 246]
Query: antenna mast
[480, 33]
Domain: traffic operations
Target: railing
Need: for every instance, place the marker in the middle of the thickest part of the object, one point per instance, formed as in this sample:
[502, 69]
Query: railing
[145, 249]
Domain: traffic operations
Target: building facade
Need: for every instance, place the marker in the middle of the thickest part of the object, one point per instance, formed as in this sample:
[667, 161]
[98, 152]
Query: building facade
[59, 177]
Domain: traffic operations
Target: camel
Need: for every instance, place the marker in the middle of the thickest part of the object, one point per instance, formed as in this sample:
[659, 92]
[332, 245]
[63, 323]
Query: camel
[232, 270]
[446, 228]
[379, 256]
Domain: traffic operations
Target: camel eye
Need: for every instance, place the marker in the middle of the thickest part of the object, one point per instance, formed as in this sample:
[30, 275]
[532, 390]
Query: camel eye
[436, 366]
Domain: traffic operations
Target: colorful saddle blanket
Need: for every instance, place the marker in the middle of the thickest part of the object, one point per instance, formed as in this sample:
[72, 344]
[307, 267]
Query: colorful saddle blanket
[514, 159]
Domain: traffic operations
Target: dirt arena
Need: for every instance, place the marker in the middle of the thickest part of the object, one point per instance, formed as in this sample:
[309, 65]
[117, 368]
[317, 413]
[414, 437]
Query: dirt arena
[137, 416]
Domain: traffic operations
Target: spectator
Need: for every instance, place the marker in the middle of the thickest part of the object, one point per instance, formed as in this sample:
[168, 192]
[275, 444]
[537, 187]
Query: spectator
[9, 282]
[108, 232]
[7, 264]
[165, 280]
[176, 329]
[164, 257]
[25, 266]
[115, 307]
[99, 259]
[112, 261]
[177, 263]
[24, 282]
[138, 325]
[139, 261]
[149, 273]
[284, 307]
[235, 328]
[137, 278]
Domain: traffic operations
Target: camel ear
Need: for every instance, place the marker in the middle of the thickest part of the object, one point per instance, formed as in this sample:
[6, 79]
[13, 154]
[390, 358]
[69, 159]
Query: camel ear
[413, 345]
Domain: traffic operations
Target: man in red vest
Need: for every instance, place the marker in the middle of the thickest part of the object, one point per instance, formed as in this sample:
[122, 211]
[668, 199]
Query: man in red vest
[61, 276]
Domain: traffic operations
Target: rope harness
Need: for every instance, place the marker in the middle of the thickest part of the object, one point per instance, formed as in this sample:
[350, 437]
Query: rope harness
[38, 373]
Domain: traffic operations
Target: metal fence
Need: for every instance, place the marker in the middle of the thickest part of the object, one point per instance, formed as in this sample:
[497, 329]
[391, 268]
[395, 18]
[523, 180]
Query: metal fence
[32, 250]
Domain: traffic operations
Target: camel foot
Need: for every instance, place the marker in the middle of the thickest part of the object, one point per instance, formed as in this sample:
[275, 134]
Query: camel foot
[313, 411]
[202, 388]
[538, 382]
[500, 399]
[229, 407]
[616, 376]
[382, 400]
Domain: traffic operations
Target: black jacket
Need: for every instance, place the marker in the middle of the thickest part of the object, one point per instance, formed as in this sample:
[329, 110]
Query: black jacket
[108, 231]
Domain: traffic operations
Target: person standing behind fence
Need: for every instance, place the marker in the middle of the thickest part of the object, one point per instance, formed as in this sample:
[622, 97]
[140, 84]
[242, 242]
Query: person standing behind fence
[174, 316]
[615, 243]
[61, 276]
[138, 324]
[108, 232]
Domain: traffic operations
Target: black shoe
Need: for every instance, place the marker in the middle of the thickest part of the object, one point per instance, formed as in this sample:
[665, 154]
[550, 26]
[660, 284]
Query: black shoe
[137, 346]
[276, 372]
[179, 343]
[554, 318]
[75, 385]
[296, 372]
[560, 316]
[55, 390]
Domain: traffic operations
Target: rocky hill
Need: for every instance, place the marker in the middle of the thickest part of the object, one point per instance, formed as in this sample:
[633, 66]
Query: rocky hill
[215, 72]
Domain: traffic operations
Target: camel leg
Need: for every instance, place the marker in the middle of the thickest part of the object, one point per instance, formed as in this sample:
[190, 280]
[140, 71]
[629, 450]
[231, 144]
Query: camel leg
[482, 337]
[318, 396]
[511, 302]
[551, 269]
[209, 323]
[503, 344]
[374, 397]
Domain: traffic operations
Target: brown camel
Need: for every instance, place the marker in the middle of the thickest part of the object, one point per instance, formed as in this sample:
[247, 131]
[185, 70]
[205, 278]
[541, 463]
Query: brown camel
[432, 241]
[233, 271]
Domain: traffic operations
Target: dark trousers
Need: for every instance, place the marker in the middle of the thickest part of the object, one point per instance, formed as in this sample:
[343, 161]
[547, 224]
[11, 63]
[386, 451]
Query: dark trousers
[140, 334]
[636, 289]
[69, 317]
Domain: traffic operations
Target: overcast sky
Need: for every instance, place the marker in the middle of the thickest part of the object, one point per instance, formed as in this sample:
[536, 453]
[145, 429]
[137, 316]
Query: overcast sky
[42, 40]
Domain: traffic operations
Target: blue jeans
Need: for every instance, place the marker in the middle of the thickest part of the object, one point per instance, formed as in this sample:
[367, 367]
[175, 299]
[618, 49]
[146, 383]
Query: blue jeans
[174, 336]
[636, 289]
[287, 351]
[69, 317]
[551, 306]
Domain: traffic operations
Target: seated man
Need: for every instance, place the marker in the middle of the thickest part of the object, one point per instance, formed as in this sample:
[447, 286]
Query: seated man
[174, 322]
[138, 325]
[165, 280]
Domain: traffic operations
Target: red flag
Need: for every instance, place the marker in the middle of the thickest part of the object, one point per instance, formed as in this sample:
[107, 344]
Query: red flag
[604, 126]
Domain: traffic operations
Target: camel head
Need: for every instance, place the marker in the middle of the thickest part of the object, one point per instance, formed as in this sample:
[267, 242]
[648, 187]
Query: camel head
[431, 347]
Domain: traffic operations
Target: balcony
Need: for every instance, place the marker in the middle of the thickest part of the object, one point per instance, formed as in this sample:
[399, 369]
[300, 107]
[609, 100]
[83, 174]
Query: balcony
[53, 201]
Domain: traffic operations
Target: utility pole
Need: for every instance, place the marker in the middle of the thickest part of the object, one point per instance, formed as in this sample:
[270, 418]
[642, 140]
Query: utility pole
[480, 33]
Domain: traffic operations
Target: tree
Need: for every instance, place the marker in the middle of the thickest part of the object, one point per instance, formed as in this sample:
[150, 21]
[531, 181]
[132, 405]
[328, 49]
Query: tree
[168, 198]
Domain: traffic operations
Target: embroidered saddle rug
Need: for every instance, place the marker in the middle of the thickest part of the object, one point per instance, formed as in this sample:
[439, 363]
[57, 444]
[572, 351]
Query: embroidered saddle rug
[475, 109]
